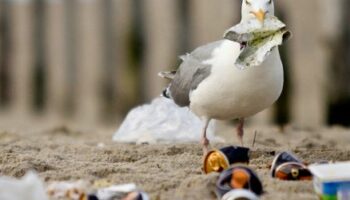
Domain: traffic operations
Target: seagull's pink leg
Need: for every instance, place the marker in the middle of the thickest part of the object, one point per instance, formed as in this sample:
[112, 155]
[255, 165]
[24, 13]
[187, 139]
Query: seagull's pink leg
[205, 141]
[240, 131]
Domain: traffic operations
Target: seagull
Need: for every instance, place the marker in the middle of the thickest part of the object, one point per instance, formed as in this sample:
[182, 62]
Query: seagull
[208, 82]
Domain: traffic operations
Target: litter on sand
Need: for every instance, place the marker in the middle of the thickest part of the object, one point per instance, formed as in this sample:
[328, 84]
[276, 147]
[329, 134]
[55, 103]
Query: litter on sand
[30, 187]
[220, 160]
[119, 192]
[343, 193]
[69, 190]
[238, 177]
[257, 39]
[288, 167]
[81, 190]
[331, 181]
[240, 194]
[161, 122]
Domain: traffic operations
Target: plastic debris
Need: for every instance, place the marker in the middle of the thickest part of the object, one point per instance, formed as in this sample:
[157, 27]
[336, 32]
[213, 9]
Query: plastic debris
[162, 121]
[220, 160]
[257, 39]
[120, 192]
[344, 193]
[240, 194]
[30, 187]
[68, 190]
[331, 180]
[238, 177]
[288, 167]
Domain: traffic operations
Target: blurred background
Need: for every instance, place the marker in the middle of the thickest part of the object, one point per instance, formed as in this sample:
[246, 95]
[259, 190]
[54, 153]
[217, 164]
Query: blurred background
[91, 61]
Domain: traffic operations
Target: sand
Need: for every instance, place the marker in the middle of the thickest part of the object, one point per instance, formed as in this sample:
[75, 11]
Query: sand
[59, 152]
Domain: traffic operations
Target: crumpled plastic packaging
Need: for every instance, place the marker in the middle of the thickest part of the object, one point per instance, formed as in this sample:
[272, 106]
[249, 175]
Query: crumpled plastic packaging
[162, 121]
[257, 39]
[68, 190]
[30, 187]
[120, 192]
[79, 190]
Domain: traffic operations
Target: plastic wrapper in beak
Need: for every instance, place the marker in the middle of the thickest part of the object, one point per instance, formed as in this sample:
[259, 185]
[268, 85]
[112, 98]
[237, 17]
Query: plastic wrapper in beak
[257, 39]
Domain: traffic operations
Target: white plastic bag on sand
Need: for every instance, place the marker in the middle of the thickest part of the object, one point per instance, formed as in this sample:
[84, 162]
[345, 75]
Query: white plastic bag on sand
[30, 187]
[161, 121]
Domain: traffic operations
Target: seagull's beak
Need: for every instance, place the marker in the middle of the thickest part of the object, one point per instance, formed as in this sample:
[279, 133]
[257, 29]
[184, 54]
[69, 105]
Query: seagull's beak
[260, 15]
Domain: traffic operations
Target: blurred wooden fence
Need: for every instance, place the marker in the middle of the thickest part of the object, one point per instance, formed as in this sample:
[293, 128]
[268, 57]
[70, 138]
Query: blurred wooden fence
[93, 59]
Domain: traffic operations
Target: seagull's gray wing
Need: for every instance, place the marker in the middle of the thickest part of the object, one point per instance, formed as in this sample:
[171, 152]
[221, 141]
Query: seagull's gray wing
[205, 52]
[191, 73]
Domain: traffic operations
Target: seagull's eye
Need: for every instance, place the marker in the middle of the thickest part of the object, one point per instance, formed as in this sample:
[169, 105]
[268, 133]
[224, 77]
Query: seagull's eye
[248, 2]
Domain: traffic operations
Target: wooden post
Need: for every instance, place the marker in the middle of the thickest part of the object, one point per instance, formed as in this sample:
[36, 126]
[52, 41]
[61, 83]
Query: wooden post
[22, 56]
[338, 34]
[4, 53]
[39, 71]
[161, 23]
[122, 26]
[209, 19]
[71, 50]
[332, 14]
[56, 58]
[89, 61]
[310, 24]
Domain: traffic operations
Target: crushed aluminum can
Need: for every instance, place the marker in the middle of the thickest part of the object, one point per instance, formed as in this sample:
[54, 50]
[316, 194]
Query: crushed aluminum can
[238, 177]
[239, 194]
[220, 160]
[288, 167]
[119, 192]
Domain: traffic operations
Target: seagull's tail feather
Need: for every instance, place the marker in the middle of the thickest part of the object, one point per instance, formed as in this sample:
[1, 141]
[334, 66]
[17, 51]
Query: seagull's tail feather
[170, 76]
[166, 93]
[167, 75]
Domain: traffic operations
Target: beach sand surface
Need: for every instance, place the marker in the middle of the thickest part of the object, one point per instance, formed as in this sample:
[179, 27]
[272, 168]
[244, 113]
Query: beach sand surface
[65, 152]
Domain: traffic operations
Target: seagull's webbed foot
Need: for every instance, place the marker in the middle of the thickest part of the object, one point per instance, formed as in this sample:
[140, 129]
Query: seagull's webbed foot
[240, 131]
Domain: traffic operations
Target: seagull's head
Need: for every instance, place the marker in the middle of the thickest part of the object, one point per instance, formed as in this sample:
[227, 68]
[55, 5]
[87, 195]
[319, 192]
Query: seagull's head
[257, 9]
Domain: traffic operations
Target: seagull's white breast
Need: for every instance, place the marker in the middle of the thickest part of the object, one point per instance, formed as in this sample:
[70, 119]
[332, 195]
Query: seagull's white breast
[229, 92]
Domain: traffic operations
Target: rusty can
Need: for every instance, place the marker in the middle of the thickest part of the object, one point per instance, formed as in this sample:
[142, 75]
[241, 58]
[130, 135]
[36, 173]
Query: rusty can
[222, 159]
[287, 166]
[238, 177]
